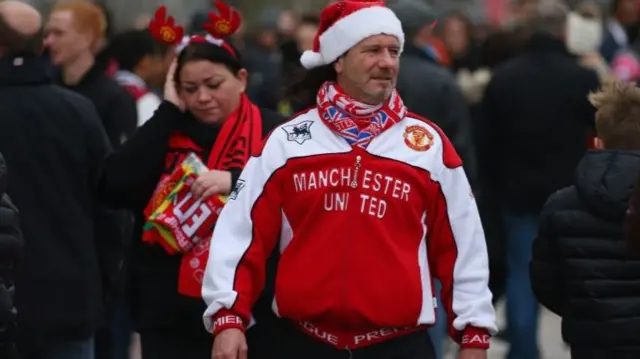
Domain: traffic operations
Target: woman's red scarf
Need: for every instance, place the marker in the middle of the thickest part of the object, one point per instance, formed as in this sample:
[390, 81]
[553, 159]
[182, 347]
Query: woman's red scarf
[239, 136]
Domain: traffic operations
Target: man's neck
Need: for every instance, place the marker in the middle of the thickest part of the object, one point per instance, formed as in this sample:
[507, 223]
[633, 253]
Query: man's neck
[356, 94]
[73, 73]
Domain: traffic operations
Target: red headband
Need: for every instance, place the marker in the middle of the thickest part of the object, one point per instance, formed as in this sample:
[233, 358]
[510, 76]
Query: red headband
[219, 27]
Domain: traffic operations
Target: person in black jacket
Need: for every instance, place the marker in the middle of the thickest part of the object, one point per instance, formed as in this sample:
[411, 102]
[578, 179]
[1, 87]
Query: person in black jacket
[54, 143]
[581, 268]
[532, 133]
[10, 247]
[75, 31]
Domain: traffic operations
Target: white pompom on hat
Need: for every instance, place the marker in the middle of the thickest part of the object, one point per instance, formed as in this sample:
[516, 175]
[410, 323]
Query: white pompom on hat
[343, 24]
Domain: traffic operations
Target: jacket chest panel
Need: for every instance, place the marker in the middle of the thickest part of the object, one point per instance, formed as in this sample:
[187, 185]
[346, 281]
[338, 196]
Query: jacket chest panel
[355, 182]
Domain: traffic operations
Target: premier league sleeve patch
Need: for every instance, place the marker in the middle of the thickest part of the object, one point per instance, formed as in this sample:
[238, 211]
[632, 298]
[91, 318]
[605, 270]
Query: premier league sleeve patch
[298, 132]
[236, 190]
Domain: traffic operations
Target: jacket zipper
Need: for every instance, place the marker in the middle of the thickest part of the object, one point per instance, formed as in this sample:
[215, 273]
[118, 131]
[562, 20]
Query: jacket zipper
[354, 184]
[356, 169]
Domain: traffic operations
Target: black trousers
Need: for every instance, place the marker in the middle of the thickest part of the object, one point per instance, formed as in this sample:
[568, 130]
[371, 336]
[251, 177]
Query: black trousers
[178, 343]
[294, 344]
[171, 343]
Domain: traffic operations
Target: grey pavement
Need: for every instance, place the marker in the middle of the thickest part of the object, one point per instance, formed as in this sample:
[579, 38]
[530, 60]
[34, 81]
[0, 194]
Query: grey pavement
[551, 342]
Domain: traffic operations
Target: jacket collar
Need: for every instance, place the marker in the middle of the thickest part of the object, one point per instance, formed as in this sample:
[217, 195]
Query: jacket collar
[129, 78]
[95, 72]
[24, 70]
[540, 43]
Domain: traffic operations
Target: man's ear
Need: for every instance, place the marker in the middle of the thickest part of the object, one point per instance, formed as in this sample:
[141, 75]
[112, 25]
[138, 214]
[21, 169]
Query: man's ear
[339, 65]
[598, 143]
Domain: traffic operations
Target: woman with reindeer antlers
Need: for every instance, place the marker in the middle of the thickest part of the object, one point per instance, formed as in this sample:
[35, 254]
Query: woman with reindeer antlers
[206, 112]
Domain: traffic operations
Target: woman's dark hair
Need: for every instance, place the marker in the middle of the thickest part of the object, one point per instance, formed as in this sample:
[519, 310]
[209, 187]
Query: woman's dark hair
[305, 90]
[197, 51]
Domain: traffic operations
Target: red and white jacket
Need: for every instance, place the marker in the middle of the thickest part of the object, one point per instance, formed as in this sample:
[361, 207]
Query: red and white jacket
[362, 236]
[146, 101]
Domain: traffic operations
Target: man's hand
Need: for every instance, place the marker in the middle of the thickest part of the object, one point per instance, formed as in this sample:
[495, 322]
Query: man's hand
[232, 344]
[470, 353]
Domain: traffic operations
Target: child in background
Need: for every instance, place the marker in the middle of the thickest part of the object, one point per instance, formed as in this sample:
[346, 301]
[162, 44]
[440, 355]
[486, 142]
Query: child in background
[581, 268]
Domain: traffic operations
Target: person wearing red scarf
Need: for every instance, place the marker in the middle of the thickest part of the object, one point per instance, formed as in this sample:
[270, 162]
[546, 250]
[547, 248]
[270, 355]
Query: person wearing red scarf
[367, 203]
[205, 113]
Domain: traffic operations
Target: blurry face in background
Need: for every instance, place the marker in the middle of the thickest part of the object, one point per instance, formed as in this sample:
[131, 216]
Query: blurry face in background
[455, 35]
[153, 69]
[210, 91]
[627, 11]
[368, 72]
[268, 38]
[64, 41]
[305, 35]
[523, 10]
[287, 23]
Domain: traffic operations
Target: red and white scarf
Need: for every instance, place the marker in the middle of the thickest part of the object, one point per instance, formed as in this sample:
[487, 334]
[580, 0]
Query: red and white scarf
[358, 123]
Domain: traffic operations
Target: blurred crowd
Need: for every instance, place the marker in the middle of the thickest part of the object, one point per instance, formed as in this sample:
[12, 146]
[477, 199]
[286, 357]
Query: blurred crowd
[512, 99]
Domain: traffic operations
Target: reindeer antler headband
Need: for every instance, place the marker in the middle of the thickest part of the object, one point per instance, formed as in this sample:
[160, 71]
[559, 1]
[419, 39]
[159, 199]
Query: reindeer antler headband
[219, 27]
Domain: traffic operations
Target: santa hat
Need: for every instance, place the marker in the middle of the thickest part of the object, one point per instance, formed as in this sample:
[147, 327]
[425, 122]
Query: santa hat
[345, 23]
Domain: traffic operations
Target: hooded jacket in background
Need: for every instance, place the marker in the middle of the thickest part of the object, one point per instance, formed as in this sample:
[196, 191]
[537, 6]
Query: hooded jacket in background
[10, 246]
[54, 145]
[581, 269]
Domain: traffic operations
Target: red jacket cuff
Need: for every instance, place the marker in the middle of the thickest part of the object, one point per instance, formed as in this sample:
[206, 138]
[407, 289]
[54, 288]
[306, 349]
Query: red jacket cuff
[225, 319]
[476, 338]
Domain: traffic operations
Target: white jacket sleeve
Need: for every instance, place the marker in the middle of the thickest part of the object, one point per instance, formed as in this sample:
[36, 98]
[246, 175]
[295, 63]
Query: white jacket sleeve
[245, 235]
[458, 257]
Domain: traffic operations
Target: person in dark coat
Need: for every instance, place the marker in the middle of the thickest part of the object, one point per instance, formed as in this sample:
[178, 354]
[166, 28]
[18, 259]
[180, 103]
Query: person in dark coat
[581, 268]
[10, 247]
[75, 31]
[534, 129]
[431, 91]
[54, 144]
[428, 89]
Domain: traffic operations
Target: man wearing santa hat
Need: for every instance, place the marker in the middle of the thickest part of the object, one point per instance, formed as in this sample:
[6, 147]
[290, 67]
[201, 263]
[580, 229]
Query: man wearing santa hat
[367, 203]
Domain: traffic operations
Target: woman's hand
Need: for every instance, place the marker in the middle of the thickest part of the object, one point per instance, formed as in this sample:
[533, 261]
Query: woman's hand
[210, 183]
[170, 92]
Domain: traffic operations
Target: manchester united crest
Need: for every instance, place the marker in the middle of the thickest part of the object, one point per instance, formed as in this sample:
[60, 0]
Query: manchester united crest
[418, 138]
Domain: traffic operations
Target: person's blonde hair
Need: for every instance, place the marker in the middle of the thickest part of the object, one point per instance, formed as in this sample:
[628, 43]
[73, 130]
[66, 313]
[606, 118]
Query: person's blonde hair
[618, 115]
[589, 10]
[87, 16]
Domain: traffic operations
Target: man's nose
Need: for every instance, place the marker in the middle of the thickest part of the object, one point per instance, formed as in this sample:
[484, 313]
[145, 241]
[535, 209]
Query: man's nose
[386, 59]
[48, 40]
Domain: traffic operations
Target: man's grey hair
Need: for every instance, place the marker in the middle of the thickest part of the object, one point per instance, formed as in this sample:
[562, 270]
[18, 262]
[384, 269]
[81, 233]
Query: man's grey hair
[550, 18]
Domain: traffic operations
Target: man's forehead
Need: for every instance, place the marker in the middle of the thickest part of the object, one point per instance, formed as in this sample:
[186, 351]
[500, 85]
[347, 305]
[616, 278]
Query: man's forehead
[60, 18]
[380, 40]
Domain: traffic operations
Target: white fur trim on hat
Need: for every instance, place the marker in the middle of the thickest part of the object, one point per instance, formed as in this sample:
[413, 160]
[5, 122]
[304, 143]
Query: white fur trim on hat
[349, 31]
